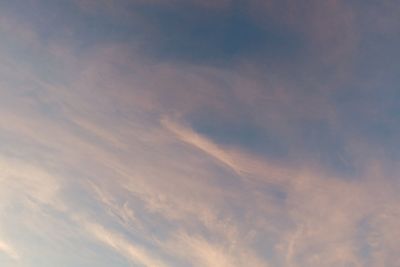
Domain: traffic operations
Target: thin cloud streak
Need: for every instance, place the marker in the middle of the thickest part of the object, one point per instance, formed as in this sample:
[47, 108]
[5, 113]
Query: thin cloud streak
[9, 250]
[134, 253]
[190, 137]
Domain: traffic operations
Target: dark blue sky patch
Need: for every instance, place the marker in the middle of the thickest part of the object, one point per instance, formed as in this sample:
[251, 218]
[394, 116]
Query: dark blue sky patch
[371, 109]
[326, 146]
[64, 20]
[182, 32]
[203, 35]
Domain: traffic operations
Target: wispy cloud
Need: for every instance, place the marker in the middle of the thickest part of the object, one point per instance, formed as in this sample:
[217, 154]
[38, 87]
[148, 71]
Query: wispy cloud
[190, 137]
[9, 250]
[116, 150]
[133, 252]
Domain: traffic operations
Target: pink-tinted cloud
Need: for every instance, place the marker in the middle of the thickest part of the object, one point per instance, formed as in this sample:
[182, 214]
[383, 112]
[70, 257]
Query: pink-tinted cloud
[106, 165]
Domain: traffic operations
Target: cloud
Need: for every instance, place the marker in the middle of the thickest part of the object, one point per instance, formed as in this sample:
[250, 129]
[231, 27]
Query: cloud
[166, 176]
[200, 142]
[116, 158]
[134, 253]
[8, 250]
[201, 252]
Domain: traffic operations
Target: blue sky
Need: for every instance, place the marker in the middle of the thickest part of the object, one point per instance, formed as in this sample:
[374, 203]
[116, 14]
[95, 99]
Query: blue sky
[199, 133]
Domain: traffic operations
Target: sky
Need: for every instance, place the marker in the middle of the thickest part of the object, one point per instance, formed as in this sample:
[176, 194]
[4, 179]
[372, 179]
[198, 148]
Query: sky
[199, 133]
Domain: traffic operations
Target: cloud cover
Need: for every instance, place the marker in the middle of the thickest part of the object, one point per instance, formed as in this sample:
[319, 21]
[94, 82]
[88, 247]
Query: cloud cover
[172, 133]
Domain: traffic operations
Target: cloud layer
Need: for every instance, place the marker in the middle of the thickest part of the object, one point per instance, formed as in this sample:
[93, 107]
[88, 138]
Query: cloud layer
[199, 133]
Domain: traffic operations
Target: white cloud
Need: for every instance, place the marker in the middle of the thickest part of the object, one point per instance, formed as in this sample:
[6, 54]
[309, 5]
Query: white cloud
[135, 253]
[9, 250]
